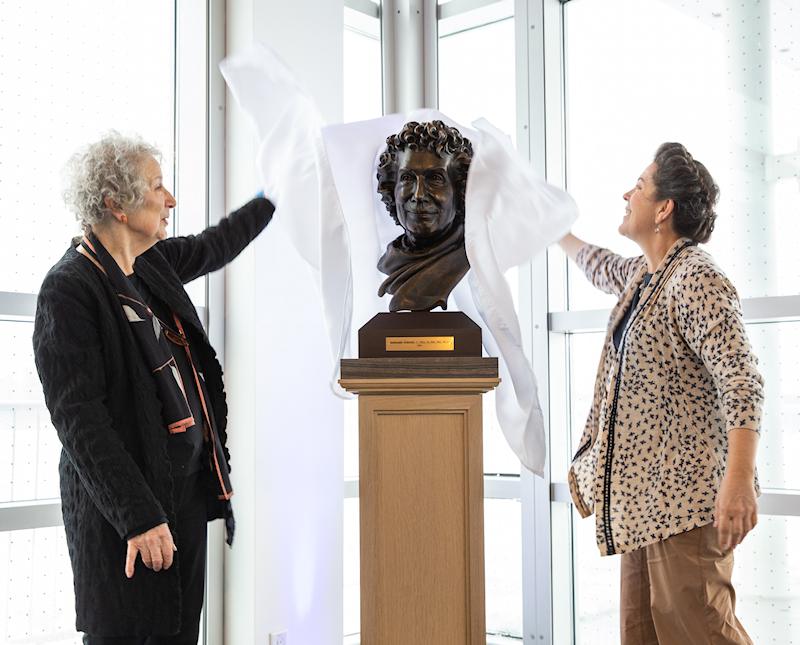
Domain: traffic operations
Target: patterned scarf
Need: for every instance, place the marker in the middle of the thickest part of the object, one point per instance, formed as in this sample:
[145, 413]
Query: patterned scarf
[150, 336]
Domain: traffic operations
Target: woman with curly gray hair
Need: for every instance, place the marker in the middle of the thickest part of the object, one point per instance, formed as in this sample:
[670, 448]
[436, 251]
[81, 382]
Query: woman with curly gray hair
[666, 462]
[136, 396]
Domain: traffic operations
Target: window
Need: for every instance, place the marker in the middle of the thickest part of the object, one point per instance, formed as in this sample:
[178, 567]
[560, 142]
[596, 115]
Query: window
[71, 73]
[476, 79]
[594, 114]
[362, 63]
[728, 94]
[477, 65]
[463, 37]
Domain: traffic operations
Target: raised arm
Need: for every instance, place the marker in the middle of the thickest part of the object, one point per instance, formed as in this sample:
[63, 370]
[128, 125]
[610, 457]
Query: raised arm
[195, 255]
[606, 270]
[571, 245]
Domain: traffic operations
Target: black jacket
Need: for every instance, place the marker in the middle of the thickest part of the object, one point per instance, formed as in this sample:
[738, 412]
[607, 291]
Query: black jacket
[114, 469]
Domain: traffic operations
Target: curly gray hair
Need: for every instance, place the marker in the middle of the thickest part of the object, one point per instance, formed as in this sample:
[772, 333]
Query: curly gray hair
[110, 167]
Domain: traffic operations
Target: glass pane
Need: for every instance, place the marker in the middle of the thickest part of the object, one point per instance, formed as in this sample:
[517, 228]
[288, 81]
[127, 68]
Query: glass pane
[351, 439]
[65, 94]
[498, 458]
[778, 349]
[561, 568]
[560, 455]
[29, 446]
[472, 55]
[584, 354]
[766, 577]
[36, 588]
[363, 89]
[596, 587]
[777, 346]
[477, 73]
[733, 97]
[352, 570]
[503, 547]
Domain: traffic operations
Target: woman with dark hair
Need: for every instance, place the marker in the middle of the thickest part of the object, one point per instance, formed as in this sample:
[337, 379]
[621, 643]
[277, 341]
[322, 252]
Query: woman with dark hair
[135, 393]
[666, 461]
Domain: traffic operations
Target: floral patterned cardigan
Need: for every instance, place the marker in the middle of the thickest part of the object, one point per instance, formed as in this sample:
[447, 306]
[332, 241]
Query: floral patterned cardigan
[653, 452]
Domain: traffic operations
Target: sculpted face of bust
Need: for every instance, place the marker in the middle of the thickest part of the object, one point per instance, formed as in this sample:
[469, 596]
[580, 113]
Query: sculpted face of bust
[422, 181]
[424, 195]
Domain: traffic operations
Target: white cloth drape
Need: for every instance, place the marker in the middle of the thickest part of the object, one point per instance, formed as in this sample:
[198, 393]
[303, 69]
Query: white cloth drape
[323, 182]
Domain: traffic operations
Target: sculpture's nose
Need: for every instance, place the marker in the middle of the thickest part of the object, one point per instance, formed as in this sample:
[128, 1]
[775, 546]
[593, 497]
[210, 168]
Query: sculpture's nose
[419, 188]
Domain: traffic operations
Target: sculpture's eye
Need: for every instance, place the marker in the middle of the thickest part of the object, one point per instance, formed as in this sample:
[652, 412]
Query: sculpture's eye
[438, 178]
[406, 176]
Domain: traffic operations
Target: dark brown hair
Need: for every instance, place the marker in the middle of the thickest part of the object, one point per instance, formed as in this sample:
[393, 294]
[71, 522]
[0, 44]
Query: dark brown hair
[435, 137]
[687, 182]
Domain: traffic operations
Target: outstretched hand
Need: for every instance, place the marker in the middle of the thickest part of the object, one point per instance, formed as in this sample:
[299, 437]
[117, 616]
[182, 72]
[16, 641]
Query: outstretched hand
[155, 546]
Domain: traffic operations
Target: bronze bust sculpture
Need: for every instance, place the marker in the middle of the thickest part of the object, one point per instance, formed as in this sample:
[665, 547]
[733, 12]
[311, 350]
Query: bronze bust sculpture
[422, 179]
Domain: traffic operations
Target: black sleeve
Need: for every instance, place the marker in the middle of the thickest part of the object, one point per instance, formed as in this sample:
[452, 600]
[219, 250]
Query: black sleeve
[195, 255]
[145, 527]
[69, 359]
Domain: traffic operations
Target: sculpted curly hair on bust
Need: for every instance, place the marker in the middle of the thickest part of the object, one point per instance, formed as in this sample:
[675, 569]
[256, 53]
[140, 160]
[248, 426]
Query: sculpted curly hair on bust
[436, 137]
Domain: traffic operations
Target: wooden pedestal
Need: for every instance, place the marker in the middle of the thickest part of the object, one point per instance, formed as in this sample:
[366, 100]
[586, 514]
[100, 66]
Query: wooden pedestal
[421, 499]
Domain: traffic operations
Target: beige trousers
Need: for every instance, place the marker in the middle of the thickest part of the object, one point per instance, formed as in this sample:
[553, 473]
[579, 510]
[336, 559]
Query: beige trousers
[678, 592]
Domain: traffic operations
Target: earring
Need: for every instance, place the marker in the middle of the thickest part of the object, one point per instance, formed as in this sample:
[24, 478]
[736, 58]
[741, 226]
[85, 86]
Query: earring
[658, 228]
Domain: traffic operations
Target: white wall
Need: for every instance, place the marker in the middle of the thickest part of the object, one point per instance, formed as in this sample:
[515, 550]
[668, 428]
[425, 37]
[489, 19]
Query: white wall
[285, 426]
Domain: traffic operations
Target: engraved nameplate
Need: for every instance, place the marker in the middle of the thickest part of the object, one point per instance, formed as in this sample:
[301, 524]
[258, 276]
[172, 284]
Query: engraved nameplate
[420, 343]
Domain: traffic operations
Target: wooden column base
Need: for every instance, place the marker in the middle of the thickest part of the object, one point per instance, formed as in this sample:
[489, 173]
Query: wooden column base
[421, 506]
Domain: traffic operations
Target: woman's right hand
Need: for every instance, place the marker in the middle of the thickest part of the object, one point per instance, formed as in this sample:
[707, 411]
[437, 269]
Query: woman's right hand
[155, 546]
[571, 245]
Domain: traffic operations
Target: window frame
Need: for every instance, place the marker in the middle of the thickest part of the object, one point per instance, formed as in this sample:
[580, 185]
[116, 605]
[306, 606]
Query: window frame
[544, 314]
[563, 321]
[199, 34]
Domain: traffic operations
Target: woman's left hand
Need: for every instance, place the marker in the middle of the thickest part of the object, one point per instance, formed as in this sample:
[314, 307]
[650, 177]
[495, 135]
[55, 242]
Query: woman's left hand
[736, 509]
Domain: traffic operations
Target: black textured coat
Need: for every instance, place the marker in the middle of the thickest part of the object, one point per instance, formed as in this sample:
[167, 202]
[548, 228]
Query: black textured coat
[114, 469]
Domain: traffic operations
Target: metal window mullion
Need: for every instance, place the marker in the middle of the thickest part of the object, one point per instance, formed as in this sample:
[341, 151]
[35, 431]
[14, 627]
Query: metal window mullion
[773, 501]
[755, 310]
[527, 508]
[39, 514]
[408, 53]
[388, 56]
[430, 62]
[215, 283]
[533, 55]
[199, 159]
[15, 305]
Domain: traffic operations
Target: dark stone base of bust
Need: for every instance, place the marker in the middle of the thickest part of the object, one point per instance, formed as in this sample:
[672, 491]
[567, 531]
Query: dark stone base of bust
[419, 334]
